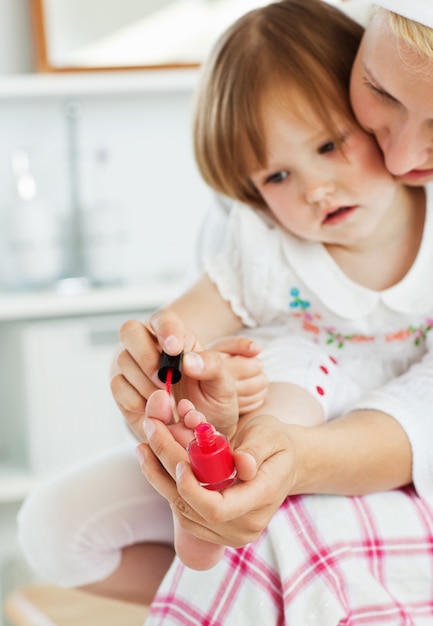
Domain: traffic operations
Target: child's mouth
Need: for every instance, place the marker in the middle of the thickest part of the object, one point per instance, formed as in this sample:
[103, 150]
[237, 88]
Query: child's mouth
[339, 214]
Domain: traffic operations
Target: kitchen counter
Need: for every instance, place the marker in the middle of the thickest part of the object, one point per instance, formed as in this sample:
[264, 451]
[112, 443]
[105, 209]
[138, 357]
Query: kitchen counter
[49, 304]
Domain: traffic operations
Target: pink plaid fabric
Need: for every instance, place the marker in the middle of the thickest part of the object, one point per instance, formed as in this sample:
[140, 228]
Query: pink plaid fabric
[323, 561]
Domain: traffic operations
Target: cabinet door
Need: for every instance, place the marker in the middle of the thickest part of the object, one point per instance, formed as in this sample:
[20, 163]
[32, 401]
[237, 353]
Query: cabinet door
[69, 413]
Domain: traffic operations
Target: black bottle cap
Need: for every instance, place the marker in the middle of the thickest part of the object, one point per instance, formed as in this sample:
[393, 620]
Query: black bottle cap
[170, 362]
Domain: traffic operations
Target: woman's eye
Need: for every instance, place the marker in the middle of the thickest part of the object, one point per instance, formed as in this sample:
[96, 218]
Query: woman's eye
[329, 146]
[278, 177]
[379, 92]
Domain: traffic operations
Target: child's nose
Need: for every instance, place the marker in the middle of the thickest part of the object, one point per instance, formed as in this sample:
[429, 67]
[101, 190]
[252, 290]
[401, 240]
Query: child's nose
[319, 193]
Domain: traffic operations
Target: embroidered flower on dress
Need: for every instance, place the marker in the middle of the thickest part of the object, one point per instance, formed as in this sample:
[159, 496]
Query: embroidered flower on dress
[297, 302]
[417, 334]
[341, 340]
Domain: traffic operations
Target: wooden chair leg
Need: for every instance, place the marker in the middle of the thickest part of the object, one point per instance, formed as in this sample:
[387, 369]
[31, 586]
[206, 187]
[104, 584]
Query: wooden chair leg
[48, 605]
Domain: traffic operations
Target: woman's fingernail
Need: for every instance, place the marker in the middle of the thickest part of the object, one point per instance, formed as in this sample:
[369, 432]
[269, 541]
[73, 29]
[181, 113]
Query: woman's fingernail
[148, 427]
[180, 468]
[171, 345]
[194, 362]
[249, 456]
[141, 455]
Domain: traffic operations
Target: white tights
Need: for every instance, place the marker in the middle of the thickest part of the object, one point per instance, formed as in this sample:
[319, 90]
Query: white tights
[73, 527]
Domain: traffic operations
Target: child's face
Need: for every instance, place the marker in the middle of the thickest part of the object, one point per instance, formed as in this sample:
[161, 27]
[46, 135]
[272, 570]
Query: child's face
[316, 191]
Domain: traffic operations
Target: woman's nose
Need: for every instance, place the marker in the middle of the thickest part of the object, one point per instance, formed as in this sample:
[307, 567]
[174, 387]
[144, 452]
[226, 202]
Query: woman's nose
[407, 150]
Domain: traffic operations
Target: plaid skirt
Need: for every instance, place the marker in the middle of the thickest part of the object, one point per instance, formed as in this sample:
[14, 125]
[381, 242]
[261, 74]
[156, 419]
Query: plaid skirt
[322, 561]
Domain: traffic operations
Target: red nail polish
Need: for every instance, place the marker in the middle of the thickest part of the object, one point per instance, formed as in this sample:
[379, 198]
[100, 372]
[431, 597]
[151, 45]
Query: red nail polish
[211, 458]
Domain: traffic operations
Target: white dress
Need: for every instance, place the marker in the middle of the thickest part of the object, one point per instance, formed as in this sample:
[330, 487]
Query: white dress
[350, 346]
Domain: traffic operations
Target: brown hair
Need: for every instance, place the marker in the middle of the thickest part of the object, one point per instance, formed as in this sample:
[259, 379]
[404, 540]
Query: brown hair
[306, 47]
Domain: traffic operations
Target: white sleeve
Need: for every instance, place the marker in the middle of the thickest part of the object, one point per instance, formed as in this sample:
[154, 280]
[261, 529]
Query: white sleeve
[409, 399]
[245, 268]
[213, 229]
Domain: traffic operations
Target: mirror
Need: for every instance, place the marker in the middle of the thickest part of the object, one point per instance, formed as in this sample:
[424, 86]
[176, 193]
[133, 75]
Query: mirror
[129, 34]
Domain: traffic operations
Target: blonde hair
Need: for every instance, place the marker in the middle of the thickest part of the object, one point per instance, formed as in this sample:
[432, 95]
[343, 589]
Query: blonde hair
[418, 36]
[301, 47]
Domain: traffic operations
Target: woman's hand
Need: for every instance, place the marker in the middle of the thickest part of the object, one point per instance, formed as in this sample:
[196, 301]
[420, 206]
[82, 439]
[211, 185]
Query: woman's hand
[135, 367]
[264, 460]
[134, 376]
[216, 394]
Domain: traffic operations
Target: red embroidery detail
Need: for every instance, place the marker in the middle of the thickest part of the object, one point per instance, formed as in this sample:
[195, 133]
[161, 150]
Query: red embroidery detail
[324, 370]
[331, 358]
[320, 391]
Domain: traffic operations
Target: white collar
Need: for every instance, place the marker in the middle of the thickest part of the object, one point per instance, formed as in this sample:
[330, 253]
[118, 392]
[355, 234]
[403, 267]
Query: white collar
[319, 271]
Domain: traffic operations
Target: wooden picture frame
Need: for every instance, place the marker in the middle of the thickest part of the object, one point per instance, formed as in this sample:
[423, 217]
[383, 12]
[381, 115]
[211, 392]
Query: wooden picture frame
[44, 58]
[109, 35]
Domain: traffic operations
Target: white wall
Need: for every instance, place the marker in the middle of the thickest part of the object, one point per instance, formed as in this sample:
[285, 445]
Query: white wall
[15, 37]
[150, 178]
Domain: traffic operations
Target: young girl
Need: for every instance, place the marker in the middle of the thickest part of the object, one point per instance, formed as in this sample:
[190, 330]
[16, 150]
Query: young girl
[306, 267]
[321, 256]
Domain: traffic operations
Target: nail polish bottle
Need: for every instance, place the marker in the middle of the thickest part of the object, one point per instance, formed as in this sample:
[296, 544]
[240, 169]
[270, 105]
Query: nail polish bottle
[211, 458]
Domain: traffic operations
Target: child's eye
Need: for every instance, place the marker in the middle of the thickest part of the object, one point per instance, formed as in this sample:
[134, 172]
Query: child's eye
[329, 146]
[278, 177]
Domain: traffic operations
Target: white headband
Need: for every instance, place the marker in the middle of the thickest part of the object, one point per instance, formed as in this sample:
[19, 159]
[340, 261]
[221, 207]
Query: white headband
[417, 10]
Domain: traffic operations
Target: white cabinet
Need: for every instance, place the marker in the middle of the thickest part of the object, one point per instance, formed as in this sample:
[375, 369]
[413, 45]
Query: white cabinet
[59, 407]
